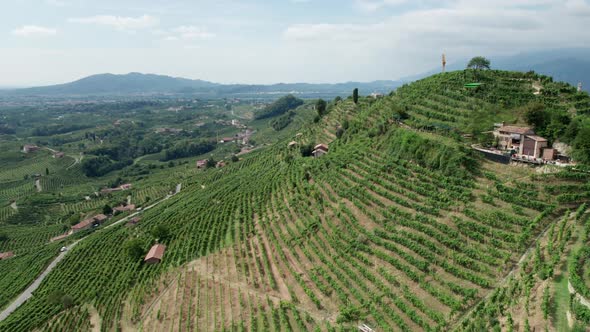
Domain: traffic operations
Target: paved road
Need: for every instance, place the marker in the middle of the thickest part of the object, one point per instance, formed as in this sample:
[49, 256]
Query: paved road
[27, 293]
[24, 296]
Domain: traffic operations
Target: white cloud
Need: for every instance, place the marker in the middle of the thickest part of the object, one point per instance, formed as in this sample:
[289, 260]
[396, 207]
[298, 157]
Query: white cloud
[373, 5]
[186, 33]
[414, 39]
[57, 3]
[34, 31]
[119, 22]
[192, 32]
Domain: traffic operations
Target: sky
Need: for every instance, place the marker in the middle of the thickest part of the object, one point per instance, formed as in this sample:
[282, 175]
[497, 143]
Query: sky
[270, 41]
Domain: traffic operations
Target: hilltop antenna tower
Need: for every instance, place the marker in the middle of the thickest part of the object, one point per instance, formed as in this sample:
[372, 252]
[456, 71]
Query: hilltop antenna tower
[444, 62]
[580, 87]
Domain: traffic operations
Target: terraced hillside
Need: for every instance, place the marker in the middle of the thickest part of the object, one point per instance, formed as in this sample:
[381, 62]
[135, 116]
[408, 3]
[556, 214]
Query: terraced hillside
[400, 227]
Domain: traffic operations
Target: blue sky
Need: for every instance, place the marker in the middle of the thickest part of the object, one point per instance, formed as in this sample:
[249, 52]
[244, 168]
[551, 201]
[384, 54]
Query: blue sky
[255, 41]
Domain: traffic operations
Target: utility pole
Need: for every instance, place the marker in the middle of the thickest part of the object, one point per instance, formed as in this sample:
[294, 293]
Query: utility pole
[580, 87]
[444, 62]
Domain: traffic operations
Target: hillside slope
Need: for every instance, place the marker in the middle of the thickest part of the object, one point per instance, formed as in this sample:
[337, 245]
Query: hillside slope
[400, 226]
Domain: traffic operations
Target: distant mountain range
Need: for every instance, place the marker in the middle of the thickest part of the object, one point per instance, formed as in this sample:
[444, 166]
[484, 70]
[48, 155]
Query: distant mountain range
[150, 84]
[569, 65]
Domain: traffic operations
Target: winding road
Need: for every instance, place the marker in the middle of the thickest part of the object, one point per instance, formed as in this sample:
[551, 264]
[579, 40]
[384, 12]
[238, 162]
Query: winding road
[28, 293]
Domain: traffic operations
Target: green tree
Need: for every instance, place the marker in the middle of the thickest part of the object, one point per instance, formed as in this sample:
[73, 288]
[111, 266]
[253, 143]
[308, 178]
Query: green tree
[581, 146]
[46, 171]
[306, 150]
[536, 116]
[107, 209]
[320, 106]
[234, 158]
[478, 62]
[355, 95]
[211, 163]
[134, 249]
[161, 232]
[3, 237]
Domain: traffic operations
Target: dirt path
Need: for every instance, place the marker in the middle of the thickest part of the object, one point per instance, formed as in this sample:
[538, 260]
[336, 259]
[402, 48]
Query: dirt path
[95, 320]
[76, 161]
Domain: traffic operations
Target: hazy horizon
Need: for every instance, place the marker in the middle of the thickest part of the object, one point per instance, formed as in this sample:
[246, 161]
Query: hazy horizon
[256, 42]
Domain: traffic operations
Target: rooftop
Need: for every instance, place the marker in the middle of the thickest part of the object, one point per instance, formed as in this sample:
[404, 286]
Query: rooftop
[516, 130]
[157, 252]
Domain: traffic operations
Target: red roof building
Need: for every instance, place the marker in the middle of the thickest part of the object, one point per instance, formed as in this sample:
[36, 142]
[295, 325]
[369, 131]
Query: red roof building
[155, 254]
[82, 225]
[30, 148]
[124, 208]
[6, 255]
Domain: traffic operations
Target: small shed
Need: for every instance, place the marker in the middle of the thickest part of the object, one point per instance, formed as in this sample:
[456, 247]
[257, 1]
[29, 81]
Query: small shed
[155, 254]
[292, 144]
[320, 150]
[202, 163]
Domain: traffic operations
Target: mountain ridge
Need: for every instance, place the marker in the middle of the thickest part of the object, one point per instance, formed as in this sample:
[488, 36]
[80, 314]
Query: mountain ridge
[140, 83]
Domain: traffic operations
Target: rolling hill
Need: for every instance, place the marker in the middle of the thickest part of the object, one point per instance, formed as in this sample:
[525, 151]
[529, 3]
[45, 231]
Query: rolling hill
[150, 84]
[567, 65]
[400, 226]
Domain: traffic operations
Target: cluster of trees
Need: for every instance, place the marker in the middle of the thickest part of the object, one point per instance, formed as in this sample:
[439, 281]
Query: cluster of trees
[282, 121]
[54, 129]
[279, 107]
[101, 165]
[558, 125]
[186, 149]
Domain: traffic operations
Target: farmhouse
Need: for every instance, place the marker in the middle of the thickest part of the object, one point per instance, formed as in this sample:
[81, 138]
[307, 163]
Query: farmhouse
[292, 144]
[30, 148]
[220, 164]
[124, 208]
[155, 254]
[6, 255]
[82, 225]
[87, 223]
[58, 155]
[227, 139]
[522, 140]
[320, 150]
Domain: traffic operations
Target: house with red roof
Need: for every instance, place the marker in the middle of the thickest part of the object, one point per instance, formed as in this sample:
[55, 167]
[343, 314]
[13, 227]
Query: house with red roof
[155, 254]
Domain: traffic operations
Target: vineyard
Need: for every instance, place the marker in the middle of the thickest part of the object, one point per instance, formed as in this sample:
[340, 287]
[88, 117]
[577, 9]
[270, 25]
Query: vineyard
[400, 227]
